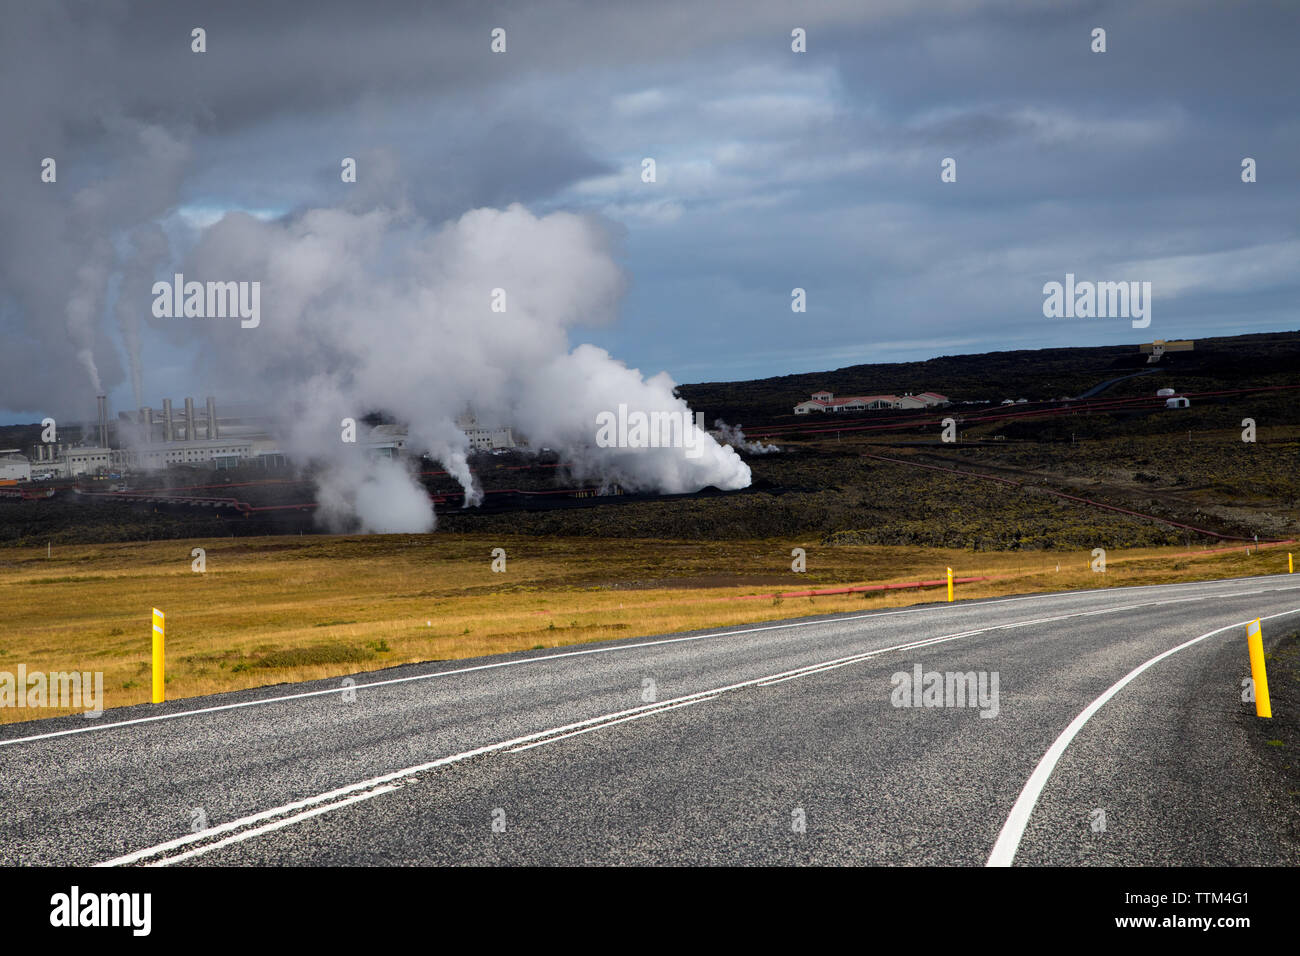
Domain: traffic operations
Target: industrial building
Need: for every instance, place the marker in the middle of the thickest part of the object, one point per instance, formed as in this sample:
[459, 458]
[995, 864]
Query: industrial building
[389, 440]
[824, 401]
[485, 437]
[186, 435]
[145, 442]
[13, 466]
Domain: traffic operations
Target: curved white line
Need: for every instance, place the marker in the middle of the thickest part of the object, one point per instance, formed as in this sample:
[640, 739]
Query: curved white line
[1008, 842]
[367, 787]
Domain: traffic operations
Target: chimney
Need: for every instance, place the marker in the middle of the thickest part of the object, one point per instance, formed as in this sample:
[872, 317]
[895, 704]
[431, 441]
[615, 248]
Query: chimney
[189, 419]
[168, 430]
[103, 420]
[212, 417]
[146, 423]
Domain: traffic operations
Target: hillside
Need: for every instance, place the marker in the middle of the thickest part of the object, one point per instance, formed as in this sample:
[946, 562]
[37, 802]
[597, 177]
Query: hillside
[1217, 363]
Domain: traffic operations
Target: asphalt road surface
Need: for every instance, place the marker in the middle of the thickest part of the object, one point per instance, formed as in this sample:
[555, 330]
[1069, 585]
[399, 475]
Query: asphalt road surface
[772, 744]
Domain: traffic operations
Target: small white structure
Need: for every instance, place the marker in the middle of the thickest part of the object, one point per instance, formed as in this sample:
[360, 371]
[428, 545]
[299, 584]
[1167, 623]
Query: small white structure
[1176, 402]
[88, 461]
[483, 436]
[1165, 393]
[14, 466]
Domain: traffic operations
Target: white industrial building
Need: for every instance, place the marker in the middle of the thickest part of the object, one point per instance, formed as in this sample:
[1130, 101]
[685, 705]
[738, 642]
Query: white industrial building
[826, 402]
[386, 441]
[145, 442]
[483, 436]
[14, 466]
[219, 452]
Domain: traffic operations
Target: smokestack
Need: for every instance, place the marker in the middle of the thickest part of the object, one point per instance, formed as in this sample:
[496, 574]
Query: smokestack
[168, 428]
[212, 417]
[146, 421]
[189, 419]
[103, 420]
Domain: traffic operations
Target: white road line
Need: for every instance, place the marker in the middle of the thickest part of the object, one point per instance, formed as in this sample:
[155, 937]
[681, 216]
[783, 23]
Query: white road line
[278, 824]
[846, 661]
[333, 795]
[603, 720]
[605, 650]
[610, 723]
[1008, 842]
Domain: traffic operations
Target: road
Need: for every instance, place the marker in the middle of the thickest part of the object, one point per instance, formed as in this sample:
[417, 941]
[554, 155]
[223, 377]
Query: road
[769, 744]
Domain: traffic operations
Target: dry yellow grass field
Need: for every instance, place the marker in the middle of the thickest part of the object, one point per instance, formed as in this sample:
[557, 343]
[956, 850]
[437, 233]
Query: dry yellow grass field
[276, 609]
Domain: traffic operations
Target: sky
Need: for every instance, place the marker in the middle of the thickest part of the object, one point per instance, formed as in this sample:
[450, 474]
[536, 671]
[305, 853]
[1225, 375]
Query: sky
[774, 169]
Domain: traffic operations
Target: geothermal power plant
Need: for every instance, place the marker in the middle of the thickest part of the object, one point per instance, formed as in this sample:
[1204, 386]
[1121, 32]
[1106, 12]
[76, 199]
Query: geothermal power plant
[185, 433]
[148, 439]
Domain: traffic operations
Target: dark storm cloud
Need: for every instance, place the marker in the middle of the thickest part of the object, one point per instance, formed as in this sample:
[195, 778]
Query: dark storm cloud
[775, 169]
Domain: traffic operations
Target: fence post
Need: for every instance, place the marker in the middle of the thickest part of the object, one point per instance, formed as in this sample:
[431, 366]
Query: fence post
[159, 692]
[1255, 642]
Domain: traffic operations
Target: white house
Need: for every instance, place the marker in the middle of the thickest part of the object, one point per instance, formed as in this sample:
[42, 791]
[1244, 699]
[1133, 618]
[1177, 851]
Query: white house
[826, 402]
[934, 398]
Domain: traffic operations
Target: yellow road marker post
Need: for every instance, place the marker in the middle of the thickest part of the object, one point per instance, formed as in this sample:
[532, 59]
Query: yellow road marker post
[950, 585]
[159, 693]
[1255, 641]
[1290, 565]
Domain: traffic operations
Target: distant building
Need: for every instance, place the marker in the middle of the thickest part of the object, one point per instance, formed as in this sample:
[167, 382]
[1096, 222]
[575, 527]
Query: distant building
[385, 441]
[483, 436]
[1179, 402]
[87, 461]
[1155, 350]
[826, 402]
[14, 466]
[217, 452]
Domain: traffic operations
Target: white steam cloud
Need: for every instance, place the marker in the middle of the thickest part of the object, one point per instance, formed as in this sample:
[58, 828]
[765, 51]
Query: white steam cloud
[733, 436]
[379, 312]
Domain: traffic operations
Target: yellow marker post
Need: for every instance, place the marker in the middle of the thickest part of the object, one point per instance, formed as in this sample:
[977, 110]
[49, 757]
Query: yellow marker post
[159, 693]
[1255, 642]
[950, 585]
[1290, 565]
